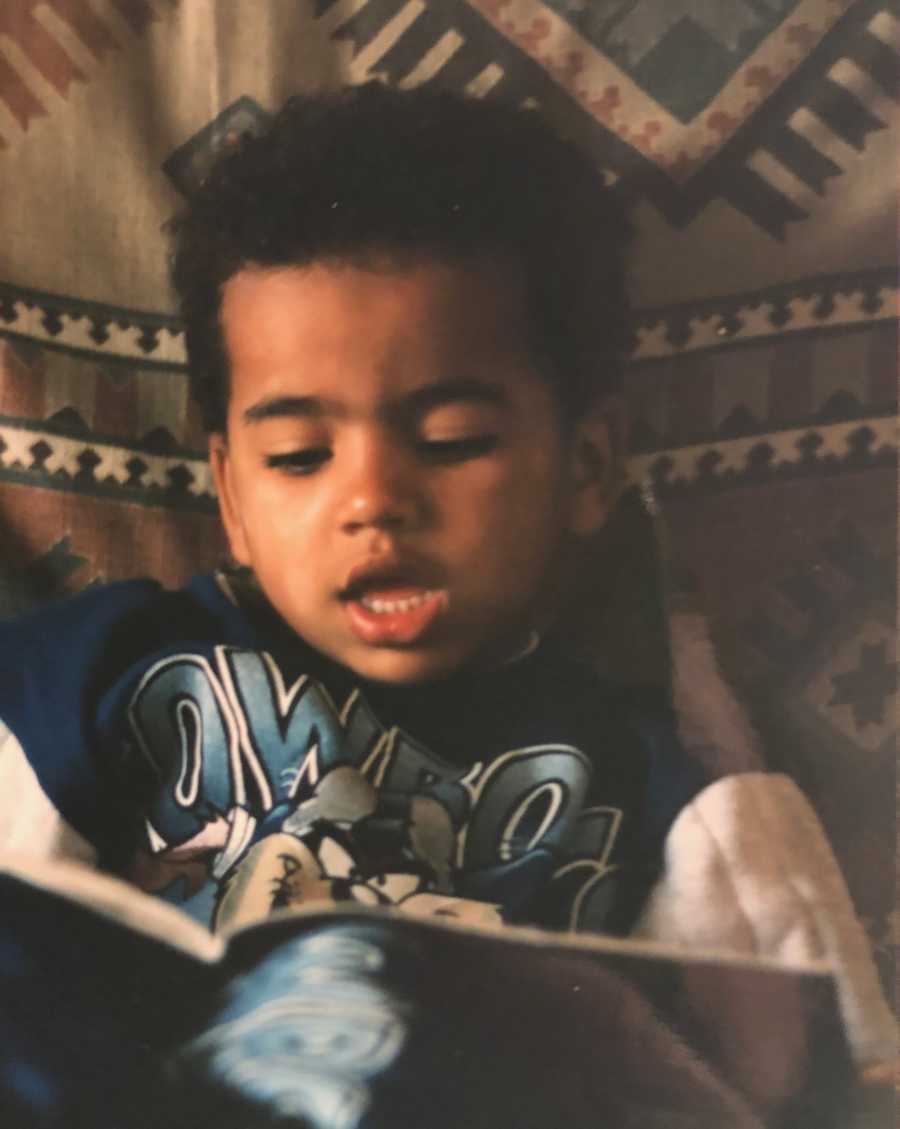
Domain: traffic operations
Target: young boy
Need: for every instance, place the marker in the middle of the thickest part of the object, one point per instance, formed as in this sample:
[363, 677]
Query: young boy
[404, 317]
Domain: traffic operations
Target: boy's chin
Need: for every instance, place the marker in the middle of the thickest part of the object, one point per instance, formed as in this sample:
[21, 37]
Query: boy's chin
[409, 666]
[402, 666]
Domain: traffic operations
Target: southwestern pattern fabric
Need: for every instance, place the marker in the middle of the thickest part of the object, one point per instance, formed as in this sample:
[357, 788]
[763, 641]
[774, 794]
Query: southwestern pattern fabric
[758, 141]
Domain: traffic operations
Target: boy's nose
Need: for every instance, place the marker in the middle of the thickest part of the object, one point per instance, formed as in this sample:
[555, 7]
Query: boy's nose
[382, 490]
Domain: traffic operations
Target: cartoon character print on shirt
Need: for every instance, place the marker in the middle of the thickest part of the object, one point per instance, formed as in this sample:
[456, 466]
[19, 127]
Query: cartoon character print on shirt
[269, 795]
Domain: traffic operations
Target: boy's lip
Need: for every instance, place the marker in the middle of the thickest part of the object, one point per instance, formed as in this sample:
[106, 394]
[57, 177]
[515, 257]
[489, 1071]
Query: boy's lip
[398, 622]
[387, 573]
[392, 600]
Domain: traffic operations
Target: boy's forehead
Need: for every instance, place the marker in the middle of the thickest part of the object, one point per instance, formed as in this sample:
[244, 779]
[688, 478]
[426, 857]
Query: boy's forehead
[436, 320]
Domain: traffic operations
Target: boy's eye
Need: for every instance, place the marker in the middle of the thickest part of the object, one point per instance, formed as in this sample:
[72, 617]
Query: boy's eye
[302, 461]
[457, 450]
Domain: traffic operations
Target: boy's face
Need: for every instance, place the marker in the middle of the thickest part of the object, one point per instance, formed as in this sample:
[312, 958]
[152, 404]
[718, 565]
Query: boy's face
[394, 469]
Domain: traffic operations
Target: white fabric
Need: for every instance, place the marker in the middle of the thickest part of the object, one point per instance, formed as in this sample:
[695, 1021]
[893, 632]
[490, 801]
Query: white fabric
[29, 823]
[748, 869]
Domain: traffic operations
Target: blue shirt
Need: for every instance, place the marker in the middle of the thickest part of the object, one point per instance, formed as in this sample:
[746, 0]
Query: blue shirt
[212, 757]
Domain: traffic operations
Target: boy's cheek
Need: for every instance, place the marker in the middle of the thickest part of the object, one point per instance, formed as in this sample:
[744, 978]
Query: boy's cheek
[500, 484]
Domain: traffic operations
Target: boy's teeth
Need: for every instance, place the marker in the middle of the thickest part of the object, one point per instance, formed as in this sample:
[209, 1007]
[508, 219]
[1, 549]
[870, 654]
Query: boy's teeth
[389, 607]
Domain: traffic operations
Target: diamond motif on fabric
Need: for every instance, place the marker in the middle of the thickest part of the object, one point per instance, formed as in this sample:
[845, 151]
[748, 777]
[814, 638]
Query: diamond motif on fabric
[854, 689]
[680, 51]
[45, 577]
[683, 101]
[828, 637]
[867, 688]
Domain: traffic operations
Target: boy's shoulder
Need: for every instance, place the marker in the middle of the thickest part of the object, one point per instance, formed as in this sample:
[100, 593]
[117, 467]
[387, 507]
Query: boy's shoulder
[66, 664]
[121, 615]
[59, 656]
[90, 612]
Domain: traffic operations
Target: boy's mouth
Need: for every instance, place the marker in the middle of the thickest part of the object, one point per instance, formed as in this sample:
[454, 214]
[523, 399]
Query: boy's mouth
[395, 615]
[385, 607]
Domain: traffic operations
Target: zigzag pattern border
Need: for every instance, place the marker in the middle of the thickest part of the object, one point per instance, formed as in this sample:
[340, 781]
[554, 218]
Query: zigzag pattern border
[802, 306]
[759, 458]
[36, 457]
[32, 456]
[141, 339]
[47, 43]
[111, 334]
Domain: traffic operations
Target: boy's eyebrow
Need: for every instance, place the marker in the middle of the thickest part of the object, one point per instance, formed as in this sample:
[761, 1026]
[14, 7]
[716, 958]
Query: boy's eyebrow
[275, 407]
[417, 402]
[454, 391]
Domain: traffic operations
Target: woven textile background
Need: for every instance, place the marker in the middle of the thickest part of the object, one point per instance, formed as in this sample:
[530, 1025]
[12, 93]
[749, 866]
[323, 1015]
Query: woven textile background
[758, 139]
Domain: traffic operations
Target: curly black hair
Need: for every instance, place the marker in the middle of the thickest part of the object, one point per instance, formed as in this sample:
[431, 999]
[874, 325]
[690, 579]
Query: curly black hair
[369, 173]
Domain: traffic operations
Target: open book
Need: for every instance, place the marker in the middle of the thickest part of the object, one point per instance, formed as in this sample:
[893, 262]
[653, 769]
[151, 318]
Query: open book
[118, 1010]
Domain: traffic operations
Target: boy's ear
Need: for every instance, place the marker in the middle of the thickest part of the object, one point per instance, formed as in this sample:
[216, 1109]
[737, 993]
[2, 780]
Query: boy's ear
[598, 458]
[222, 472]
